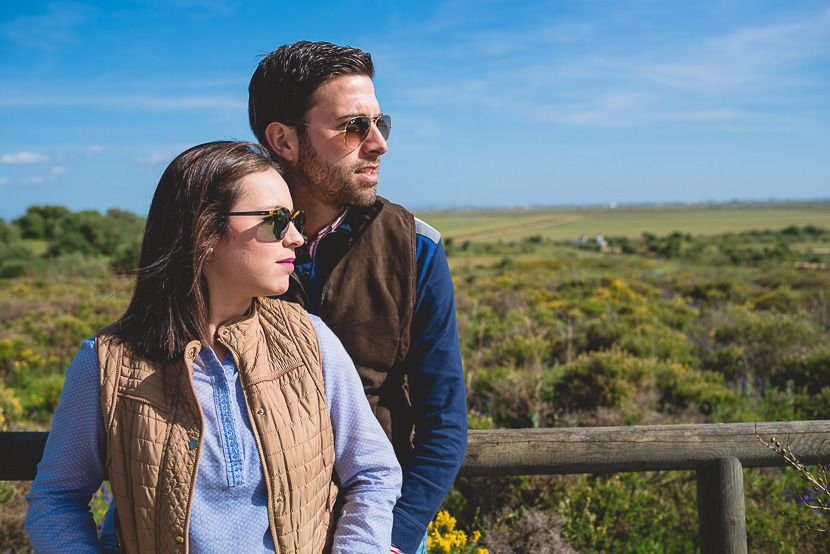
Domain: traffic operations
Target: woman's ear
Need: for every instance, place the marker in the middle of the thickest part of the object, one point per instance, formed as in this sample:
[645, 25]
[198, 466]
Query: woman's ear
[283, 141]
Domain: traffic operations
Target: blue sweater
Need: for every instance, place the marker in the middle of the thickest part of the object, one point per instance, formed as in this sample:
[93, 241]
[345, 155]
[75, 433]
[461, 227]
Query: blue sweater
[436, 382]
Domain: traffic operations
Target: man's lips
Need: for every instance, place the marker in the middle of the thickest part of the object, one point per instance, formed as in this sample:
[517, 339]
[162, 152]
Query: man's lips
[369, 173]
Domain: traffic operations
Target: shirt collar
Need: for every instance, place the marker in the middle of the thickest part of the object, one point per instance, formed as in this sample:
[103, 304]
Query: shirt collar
[312, 244]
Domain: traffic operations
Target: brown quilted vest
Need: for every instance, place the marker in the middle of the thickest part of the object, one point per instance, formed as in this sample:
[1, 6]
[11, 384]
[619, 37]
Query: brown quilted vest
[368, 302]
[154, 425]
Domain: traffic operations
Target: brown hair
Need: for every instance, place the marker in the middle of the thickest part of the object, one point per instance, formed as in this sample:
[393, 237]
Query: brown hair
[285, 80]
[170, 305]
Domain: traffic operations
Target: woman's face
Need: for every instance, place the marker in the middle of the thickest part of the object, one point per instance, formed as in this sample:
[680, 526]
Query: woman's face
[249, 261]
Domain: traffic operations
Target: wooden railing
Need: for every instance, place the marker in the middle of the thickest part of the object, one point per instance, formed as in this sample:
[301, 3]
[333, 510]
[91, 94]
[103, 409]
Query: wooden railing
[716, 452]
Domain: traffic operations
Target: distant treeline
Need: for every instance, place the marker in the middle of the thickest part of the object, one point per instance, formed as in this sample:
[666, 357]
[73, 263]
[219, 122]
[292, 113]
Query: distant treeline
[794, 243]
[53, 239]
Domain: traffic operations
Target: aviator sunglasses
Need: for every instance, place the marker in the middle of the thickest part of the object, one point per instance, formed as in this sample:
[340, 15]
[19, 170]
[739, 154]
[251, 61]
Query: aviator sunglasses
[280, 218]
[356, 130]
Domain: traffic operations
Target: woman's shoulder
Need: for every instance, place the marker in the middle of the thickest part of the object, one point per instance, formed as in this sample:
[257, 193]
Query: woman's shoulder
[85, 362]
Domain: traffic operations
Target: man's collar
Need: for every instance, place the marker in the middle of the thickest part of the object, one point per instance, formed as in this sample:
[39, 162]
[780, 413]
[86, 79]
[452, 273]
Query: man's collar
[338, 221]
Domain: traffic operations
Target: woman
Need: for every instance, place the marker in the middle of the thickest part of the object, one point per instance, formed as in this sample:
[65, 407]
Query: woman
[221, 418]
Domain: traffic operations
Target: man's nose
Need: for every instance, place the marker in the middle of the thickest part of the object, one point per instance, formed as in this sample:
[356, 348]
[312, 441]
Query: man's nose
[375, 143]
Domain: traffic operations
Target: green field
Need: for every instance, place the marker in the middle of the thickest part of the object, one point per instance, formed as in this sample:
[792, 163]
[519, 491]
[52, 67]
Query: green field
[563, 224]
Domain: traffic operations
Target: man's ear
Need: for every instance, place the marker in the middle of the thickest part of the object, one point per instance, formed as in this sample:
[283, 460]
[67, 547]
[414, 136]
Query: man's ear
[283, 140]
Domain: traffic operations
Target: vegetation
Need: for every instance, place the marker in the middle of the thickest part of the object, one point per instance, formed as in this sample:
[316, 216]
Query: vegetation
[51, 240]
[667, 326]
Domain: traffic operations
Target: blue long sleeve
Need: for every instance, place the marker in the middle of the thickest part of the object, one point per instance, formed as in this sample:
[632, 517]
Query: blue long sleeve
[73, 464]
[437, 392]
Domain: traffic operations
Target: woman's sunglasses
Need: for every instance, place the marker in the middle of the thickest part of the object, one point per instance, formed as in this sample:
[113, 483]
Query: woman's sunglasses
[280, 219]
[356, 130]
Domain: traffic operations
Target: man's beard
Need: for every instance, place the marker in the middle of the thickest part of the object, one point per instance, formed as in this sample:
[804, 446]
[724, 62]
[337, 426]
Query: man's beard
[330, 184]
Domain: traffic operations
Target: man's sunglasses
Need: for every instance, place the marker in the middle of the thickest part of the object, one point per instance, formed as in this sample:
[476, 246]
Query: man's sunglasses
[280, 219]
[356, 130]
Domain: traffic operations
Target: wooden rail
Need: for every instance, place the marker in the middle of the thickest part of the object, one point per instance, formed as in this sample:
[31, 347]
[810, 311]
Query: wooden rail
[716, 452]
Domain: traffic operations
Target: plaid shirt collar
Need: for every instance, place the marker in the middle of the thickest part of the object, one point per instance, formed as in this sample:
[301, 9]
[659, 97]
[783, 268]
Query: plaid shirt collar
[312, 244]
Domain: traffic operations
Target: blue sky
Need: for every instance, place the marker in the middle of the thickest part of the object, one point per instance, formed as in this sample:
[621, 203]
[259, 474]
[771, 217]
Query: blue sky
[493, 103]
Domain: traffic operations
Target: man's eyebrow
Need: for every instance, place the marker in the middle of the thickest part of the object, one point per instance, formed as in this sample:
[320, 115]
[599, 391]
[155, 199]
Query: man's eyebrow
[347, 117]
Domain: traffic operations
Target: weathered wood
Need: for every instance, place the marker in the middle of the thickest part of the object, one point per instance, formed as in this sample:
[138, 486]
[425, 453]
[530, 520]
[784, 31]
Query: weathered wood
[20, 454]
[720, 507]
[637, 448]
[716, 452]
[567, 451]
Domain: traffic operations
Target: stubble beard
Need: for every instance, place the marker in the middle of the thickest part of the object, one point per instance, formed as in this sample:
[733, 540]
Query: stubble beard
[328, 183]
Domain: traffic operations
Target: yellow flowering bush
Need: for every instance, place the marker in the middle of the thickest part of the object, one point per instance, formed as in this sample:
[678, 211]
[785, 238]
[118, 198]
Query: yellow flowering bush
[10, 408]
[444, 538]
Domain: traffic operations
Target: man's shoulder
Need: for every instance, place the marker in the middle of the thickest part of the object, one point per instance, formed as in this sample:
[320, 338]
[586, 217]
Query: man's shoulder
[422, 228]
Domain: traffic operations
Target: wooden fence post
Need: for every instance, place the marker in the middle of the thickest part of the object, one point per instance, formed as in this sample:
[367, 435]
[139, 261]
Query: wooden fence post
[720, 507]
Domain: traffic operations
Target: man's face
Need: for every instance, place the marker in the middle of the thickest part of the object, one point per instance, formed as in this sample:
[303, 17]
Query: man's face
[326, 170]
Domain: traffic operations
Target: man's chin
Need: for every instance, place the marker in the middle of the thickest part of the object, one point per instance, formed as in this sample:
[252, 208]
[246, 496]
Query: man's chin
[364, 197]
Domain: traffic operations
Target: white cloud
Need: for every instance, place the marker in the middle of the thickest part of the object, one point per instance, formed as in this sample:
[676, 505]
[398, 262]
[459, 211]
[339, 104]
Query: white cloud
[759, 58]
[132, 101]
[155, 158]
[58, 25]
[58, 170]
[3, 181]
[23, 158]
[36, 180]
[92, 150]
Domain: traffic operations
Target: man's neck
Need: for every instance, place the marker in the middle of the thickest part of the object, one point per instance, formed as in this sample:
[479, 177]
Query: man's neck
[318, 215]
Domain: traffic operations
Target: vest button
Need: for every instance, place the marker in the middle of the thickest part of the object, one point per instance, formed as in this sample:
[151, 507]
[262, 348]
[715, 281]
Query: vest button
[193, 444]
[280, 498]
[180, 539]
[225, 332]
[260, 411]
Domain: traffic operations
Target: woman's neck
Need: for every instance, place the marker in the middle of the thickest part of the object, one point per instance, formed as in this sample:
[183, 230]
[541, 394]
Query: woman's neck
[219, 314]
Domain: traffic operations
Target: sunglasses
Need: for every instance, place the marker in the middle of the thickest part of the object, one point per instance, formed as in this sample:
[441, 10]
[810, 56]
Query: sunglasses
[356, 130]
[280, 218]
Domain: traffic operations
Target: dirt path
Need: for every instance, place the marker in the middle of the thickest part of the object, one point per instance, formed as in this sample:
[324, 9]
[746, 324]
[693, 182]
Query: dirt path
[518, 228]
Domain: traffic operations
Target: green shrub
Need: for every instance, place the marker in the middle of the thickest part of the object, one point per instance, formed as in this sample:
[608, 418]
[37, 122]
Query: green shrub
[759, 342]
[681, 386]
[507, 396]
[594, 380]
[632, 512]
[810, 372]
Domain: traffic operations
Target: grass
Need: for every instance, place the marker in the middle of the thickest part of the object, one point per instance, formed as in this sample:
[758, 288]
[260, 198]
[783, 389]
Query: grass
[563, 224]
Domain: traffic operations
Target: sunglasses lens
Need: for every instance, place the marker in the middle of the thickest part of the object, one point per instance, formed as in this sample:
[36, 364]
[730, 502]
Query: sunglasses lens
[281, 219]
[384, 126]
[299, 221]
[357, 130]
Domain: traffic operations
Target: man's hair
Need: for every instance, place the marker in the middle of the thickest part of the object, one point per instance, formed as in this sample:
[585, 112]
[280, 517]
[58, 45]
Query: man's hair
[286, 79]
[170, 305]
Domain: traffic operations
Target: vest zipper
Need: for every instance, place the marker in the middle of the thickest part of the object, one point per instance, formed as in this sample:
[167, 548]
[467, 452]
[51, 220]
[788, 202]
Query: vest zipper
[186, 531]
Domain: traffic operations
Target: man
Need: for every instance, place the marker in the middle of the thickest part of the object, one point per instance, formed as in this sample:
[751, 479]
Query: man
[373, 272]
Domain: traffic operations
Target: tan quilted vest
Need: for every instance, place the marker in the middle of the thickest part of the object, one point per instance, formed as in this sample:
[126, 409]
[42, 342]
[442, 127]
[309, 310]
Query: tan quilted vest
[154, 427]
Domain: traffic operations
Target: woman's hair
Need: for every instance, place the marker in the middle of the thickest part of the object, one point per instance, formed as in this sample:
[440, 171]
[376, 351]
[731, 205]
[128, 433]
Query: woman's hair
[171, 305]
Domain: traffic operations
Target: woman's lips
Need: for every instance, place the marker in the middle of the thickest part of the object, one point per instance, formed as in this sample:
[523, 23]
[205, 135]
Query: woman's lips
[287, 262]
